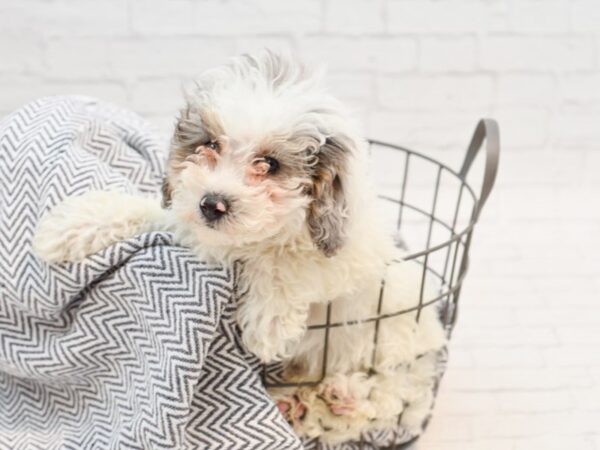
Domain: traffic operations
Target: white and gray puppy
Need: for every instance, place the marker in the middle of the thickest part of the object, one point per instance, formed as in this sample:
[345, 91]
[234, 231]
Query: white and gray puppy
[266, 168]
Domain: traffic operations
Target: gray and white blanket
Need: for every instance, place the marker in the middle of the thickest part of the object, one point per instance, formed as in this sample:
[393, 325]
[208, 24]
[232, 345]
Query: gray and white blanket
[134, 348]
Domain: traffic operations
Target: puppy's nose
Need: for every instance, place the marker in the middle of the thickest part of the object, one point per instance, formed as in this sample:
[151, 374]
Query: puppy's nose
[213, 207]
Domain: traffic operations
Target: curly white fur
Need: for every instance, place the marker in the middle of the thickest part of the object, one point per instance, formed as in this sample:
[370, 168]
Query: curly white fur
[308, 236]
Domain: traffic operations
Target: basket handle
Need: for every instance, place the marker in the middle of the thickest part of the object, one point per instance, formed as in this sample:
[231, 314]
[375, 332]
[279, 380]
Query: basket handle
[487, 129]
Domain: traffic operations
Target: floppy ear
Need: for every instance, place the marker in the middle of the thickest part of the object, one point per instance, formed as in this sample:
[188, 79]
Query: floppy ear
[181, 142]
[193, 127]
[166, 192]
[327, 214]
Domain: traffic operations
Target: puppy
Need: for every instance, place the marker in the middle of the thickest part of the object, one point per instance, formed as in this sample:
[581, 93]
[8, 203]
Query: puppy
[266, 168]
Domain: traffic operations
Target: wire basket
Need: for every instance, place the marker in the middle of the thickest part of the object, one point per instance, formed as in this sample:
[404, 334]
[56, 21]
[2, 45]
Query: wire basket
[435, 210]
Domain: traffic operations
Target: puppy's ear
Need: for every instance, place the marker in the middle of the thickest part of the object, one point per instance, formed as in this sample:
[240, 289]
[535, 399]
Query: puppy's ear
[181, 142]
[327, 214]
[192, 128]
[167, 191]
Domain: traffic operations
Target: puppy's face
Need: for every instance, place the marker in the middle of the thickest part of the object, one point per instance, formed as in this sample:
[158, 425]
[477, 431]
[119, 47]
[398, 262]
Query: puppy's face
[257, 156]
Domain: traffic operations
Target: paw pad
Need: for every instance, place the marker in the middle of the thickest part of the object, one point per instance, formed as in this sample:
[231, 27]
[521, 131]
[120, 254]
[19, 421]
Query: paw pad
[338, 401]
[291, 408]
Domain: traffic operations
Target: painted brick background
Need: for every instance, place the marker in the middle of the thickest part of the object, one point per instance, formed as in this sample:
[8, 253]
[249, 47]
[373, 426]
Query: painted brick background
[525, 362]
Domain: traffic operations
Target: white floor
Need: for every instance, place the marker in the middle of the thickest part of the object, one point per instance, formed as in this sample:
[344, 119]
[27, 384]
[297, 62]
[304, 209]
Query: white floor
[524, 371]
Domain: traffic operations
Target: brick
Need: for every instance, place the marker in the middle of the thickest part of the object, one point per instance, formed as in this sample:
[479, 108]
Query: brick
[554, 442]
[498, 17]
[20, 54]
[585, 16]
[342, 54]
[362, 17]
[590, 175]
[540, 16]
[405, 16]
[157, 96]
[357, 88]
[573, 356]
[515, 379]
[483, 337]
[535, 402]
[480, 444]
[508, 426]
[530, 90]
[449, 428]
[156, 17]
[77, 59]
[581, 88]
[465, 403]
[448, 54]
[254, 44]
[185, 57]
[580, 315]
[539, 262]
[573, 291]
[493, 317]
[523, 127]
[113, 92]
[428, 131]
[537, 54]
[72, 18]
[356, 92]
[578, 130]
[524, 357]
[22, 90]
[586, 399]
[218, 18]
[554, 167]
[460, 358]
[240, 17]
[448, 92]
[26, 89]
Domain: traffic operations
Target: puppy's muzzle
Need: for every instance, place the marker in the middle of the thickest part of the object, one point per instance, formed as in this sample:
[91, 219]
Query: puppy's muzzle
[214, 207]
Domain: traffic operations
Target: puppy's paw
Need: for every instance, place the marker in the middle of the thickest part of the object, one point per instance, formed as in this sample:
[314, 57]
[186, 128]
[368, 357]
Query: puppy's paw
[348, 396]
[335, 413]
[291, 408]
[339, 400]
[83, 225]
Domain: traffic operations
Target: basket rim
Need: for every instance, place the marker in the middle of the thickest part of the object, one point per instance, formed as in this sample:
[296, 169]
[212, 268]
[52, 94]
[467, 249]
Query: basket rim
[464, 184]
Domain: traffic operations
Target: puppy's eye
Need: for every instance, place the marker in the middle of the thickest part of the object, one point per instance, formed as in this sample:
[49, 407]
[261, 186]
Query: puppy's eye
[273, 165]
[213, 145]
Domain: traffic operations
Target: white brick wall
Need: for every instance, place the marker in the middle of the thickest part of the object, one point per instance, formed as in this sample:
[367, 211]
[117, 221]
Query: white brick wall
[524, 371]
[533, 64]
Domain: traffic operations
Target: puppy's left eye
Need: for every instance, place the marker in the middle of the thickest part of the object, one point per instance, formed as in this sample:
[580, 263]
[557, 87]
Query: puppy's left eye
[273, 164]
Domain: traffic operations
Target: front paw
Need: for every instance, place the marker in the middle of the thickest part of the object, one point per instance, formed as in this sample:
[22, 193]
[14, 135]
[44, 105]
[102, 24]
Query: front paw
[68, 232]
[83, 225]
[291, 408]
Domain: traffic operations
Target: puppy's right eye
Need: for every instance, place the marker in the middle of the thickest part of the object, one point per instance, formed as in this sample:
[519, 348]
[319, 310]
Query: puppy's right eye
[213, 145]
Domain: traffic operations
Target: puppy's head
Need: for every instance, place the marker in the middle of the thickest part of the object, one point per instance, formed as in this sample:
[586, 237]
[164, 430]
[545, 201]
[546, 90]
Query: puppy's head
[260, 153]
